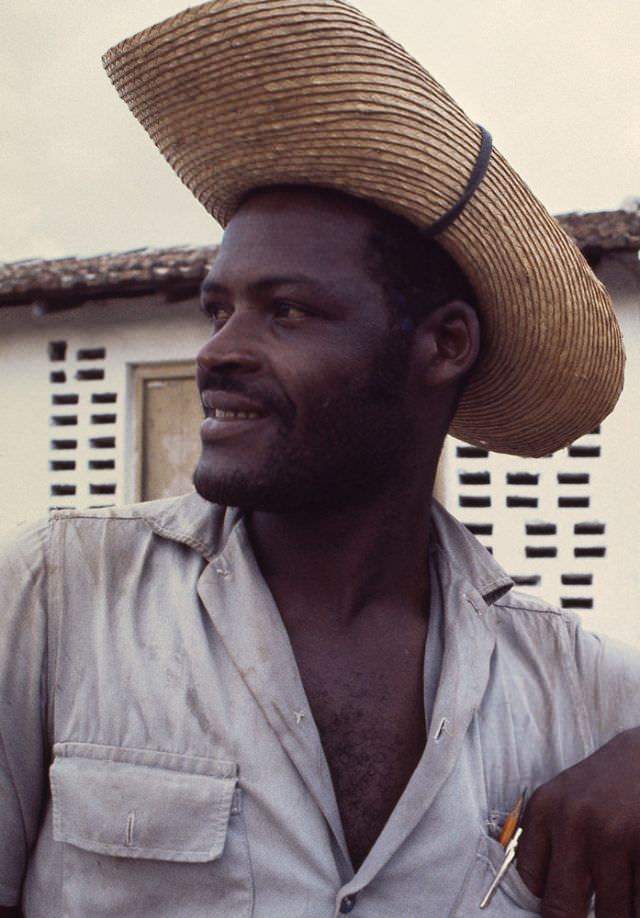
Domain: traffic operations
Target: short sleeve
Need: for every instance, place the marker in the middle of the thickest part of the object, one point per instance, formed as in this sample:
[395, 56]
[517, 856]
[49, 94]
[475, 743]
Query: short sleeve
[609, 677]
[23, 676]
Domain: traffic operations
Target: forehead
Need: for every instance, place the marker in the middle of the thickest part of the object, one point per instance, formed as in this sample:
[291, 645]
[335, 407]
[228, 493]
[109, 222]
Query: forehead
[296, 230]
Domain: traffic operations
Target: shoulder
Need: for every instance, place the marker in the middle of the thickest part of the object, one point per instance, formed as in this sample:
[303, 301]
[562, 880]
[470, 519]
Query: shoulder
[187, 520]
[143, 511]
[535, 631]
[523, 603]
[24, 548]
[534, 636]
[604, 672]
[526, 609]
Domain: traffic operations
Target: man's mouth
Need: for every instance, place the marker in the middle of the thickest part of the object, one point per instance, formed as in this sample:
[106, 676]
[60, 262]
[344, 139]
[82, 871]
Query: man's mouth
[223, 414]
[231, 406]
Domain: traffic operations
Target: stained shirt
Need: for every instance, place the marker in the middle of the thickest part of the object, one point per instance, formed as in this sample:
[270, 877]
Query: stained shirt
[158, 756]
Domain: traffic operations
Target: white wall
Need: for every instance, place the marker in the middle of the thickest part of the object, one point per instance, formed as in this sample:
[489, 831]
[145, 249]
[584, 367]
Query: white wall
[612, 490]
[618, 610]
[136, 331]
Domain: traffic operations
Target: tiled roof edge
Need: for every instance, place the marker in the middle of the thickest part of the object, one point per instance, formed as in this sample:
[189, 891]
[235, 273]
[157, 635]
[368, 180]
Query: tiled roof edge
[178, 271]
[64, 282]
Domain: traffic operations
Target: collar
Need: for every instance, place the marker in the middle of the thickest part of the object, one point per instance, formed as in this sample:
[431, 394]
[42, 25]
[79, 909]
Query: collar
[191, 520]
[206, 528]
[467, 556]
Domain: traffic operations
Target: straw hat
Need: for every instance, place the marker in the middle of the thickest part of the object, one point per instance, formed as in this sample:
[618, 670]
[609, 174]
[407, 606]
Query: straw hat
[239, 94]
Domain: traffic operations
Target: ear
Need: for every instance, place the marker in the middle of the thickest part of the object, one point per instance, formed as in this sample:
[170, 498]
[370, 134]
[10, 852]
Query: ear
[447, 343]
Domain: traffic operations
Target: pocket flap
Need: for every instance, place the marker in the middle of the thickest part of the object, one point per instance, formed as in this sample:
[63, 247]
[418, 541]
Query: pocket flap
[141, 803]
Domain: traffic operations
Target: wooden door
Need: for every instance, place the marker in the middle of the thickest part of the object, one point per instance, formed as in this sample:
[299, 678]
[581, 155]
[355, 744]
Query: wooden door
[168, 417]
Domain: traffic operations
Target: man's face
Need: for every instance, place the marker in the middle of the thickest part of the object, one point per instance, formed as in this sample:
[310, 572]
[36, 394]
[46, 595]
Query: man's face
[302, 380]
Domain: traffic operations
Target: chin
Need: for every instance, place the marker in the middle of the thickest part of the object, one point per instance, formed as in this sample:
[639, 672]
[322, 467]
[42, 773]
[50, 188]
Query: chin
[285, 490]
[239, 489]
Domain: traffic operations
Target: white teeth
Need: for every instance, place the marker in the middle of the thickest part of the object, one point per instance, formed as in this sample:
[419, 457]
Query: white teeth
[243, 415]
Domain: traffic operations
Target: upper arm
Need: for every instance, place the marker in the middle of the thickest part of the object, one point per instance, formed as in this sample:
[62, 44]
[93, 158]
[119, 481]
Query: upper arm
[609, 681]
[23, 745]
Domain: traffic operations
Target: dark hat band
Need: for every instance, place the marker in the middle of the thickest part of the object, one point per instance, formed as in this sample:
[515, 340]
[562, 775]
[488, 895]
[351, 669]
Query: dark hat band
[478, 173]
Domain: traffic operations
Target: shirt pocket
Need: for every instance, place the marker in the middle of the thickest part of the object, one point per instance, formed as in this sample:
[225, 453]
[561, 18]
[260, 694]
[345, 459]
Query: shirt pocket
[148, 833]
[512, 897]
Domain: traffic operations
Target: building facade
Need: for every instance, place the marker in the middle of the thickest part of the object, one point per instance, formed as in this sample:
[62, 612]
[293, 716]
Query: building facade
[99, 406]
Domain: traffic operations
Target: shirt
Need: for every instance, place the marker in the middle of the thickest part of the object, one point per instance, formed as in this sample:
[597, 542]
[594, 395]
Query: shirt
[158, 756]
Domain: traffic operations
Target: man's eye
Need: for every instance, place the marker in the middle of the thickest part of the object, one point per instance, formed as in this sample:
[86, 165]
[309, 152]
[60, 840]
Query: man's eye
[284, 310]
[218, 314]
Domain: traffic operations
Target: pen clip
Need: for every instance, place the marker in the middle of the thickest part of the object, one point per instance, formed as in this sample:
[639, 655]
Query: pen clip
[509, 857]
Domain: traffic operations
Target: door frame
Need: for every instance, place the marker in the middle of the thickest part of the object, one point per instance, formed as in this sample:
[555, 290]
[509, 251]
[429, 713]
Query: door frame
[141, 374]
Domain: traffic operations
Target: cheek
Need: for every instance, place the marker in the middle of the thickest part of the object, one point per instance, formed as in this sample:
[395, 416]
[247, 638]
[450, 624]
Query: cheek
[318, 392]
[330, 369]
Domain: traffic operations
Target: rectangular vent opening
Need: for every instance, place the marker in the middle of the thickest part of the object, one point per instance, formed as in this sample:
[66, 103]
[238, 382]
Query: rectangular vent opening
[57, 376]
[62, 490]
[577, 579]
[593, 551]
[471, 452]
[103, 418]
[573, 501]
[102, 489]
[540, 551]
[474, 478]
[91, 353]
[62, 465]
[104, 398]
[527, 579]
[480, 529]
[93, 373]
[64, 399]
[63, 420]
[57, 351]
[102, 464]
[515, 501]
[541, 529]
[467, 501]
[584, 452]
[102, 442]
[576, 602]
[567, 478]
[64, 444]
[589, 528]
[522, 478]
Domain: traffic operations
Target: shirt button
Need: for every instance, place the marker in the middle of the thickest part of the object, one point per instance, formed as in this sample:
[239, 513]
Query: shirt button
[348, 904]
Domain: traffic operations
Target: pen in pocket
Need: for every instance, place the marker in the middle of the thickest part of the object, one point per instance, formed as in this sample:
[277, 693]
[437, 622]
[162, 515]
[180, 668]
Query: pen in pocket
[509, 838]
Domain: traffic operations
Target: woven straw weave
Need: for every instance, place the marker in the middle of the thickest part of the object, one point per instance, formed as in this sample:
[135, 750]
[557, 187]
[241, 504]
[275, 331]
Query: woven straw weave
[239, 94]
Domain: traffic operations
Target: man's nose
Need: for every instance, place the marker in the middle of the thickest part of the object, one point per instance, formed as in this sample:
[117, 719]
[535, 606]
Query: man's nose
[236, 346]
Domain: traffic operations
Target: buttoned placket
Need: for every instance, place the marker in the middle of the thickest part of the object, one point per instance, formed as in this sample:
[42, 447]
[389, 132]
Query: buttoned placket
[260, 648]
[457, 699]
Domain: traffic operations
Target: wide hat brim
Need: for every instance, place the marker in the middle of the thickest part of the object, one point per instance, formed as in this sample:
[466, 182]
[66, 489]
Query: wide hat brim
[241, 94]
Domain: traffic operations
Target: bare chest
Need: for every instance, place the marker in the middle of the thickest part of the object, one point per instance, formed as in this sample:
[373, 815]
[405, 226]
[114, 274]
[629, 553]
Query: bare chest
[372, 727]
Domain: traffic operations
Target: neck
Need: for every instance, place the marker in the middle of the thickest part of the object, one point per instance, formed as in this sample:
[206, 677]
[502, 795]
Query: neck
[348, 561]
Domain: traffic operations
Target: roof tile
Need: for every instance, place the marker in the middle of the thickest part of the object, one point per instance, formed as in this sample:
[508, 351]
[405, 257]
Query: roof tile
[180, 270]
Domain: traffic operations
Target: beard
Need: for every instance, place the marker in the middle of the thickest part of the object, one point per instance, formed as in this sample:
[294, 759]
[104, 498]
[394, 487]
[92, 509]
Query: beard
[350, 448]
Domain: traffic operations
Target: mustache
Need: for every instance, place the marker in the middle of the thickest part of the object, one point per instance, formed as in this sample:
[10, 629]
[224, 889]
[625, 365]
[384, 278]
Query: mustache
[276, 403]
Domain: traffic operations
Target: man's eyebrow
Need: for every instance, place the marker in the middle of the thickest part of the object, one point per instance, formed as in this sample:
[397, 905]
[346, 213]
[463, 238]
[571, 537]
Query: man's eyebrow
[211, 285]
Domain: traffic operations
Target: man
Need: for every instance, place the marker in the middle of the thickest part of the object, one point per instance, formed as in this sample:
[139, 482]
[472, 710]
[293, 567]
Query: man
[305, 690]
